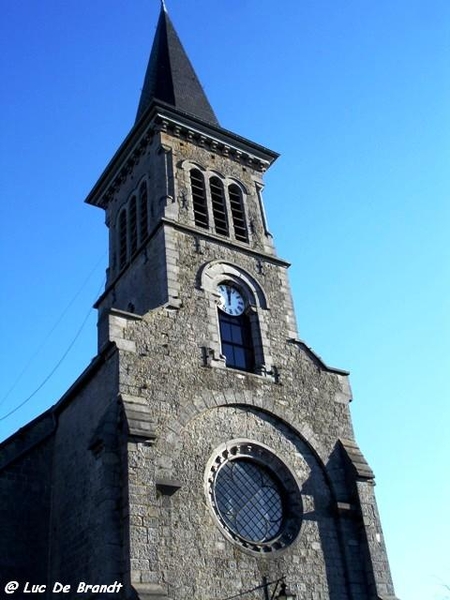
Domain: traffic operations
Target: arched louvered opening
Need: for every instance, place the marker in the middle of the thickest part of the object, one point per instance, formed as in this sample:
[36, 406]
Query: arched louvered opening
[199, 199]
[143, 212]
[133, 226]
[123, 240]
[237, 213]
[218, 206]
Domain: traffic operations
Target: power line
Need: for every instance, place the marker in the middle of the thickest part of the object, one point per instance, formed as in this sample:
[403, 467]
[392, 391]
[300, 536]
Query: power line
[55, 368]
[47, 337]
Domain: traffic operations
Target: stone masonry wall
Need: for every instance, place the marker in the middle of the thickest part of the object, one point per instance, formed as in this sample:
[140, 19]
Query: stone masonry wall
[171, 373]
[25, 485]
[174, 544]
[86, 537]
[175, 547]
[182, 548]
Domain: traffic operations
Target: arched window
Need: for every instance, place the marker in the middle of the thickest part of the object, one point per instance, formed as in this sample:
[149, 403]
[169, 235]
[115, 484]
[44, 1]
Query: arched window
[123, 242]
[237, 319]
[143, 212]
[235, 328]
[133, 226]
[218, 206]
[199, 199]
[237, 213]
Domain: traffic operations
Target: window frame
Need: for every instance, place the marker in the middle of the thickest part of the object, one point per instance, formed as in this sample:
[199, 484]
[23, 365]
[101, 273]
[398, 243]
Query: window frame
[143, 212]
[219, 206]
[122, 233]
[263, 458]
[199, 199]
[133, 225]
[237, 211]
[211, 275]
[239, 342]
[217, 203]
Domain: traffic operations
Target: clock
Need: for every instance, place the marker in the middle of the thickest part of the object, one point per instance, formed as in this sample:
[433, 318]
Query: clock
[231, 300]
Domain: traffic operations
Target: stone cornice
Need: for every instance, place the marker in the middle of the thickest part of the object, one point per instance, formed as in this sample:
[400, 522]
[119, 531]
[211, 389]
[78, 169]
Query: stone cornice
[301, 344]
[216, 139]
[243, 248]
[269, 258]
[166, 119]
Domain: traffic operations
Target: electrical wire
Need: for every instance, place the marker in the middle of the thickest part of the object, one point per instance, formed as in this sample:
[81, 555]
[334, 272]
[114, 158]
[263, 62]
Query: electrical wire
[55, 368]
[47, 337]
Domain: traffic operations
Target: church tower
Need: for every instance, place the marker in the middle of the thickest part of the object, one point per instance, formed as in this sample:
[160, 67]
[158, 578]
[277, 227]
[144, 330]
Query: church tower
[206, 452]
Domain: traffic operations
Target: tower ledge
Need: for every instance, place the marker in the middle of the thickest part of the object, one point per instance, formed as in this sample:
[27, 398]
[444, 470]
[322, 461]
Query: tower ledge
[163, 117]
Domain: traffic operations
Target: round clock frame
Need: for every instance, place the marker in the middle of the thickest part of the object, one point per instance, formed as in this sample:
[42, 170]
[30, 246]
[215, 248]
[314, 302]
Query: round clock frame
[231, 301]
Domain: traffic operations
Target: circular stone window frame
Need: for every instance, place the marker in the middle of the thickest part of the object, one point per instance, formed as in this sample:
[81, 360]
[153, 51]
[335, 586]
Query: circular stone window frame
[283, 476]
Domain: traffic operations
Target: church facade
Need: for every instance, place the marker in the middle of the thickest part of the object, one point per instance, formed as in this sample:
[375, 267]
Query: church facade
[206, 452]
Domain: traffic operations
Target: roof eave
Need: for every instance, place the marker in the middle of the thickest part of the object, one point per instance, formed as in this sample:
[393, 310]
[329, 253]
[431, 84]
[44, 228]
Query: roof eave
[160, 111]
[214, 131]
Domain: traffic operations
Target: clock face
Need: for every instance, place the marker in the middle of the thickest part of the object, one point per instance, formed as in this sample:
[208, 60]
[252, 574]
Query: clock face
[231, 300]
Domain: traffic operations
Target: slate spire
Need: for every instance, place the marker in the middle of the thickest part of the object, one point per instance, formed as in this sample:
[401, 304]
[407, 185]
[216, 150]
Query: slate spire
[170, 76]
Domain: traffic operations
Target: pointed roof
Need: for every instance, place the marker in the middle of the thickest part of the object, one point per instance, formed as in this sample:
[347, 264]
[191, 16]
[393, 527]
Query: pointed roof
[170, 76]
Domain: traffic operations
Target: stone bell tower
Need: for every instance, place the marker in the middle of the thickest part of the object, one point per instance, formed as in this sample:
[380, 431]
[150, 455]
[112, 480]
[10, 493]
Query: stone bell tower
[241, 461]
[207, 452]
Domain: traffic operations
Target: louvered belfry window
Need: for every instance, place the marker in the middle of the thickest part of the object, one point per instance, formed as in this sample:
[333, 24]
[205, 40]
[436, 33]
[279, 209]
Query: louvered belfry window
[133, 226]
[218, 206]
[123, 241]
[237, 213]
[225, 204]
[199, 199]
[143, 212]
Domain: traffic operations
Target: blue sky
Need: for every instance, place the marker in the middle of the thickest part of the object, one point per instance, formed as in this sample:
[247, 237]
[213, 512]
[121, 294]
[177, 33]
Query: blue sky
[355, 95]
